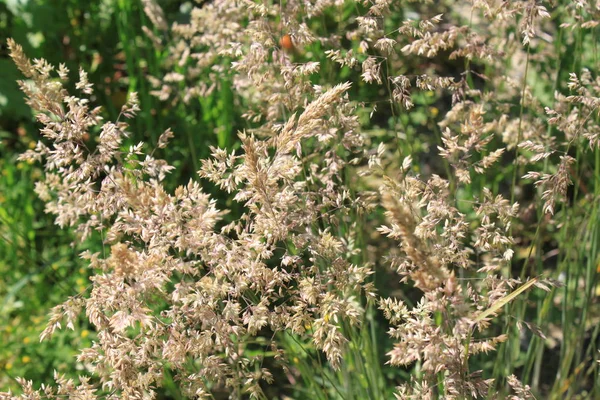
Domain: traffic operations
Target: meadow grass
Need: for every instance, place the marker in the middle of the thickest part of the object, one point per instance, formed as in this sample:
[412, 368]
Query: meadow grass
[330, 200]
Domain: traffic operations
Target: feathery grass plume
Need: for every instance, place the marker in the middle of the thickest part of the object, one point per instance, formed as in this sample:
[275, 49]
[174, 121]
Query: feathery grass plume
[381, 162]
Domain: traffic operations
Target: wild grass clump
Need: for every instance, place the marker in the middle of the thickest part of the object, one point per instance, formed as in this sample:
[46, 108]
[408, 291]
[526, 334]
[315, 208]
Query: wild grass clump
[405, 174]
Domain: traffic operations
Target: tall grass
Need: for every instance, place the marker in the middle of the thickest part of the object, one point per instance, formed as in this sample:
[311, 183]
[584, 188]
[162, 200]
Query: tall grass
[368, 200]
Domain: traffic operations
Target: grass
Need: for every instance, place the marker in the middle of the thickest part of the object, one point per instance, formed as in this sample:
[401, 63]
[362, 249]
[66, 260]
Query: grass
[552, 343]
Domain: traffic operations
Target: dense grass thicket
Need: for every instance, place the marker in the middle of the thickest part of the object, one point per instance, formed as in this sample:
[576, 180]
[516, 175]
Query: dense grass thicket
[318, 199]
